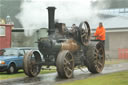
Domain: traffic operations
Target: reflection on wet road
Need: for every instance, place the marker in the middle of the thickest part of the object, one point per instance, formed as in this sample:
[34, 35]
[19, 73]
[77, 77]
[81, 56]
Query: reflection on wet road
[52, 78]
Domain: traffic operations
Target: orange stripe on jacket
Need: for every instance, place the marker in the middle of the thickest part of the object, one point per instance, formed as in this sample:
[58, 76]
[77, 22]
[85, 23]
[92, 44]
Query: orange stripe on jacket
[100, 31]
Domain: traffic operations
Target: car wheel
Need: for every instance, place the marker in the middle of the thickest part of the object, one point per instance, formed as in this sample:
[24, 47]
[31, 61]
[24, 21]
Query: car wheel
[11, 69]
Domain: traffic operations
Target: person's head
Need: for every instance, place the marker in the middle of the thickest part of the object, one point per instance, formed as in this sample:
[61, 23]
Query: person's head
[73, 25]
[100, 24]
[2, 51]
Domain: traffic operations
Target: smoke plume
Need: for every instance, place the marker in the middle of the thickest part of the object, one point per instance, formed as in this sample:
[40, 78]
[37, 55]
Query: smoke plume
[34, 14]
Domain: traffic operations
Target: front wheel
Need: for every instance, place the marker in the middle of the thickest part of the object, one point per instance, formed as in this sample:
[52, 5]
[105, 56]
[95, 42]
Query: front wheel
[65, 64]
[32, 64]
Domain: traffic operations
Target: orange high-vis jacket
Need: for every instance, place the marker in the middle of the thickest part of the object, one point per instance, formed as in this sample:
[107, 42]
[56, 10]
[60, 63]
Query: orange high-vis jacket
[100, 31]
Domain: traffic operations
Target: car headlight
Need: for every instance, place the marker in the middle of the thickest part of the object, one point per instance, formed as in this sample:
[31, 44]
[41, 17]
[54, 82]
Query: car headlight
[2, 62]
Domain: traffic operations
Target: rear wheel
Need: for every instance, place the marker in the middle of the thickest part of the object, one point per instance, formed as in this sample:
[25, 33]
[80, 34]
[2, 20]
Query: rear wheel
[11, 69]
[95, 58]
[65, 64]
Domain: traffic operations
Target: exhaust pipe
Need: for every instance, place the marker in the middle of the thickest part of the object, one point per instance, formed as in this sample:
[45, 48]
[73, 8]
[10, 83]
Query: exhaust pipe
[51, 22]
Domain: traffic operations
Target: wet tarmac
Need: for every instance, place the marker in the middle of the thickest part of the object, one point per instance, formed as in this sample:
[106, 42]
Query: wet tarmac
[52, 78]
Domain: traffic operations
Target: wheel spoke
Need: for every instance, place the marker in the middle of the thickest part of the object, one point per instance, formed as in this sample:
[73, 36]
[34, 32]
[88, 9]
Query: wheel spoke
[83, 35]
[96, 54]
[99, 63]
[66, 62]
[100, 50]
[97, 67]
[68, 58]
[70, 70]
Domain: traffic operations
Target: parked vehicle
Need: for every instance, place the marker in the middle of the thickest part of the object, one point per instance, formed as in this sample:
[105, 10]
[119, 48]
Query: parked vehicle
[11, 59]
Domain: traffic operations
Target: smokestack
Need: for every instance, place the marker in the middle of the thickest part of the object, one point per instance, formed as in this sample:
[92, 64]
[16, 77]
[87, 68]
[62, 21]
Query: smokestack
[51, 22]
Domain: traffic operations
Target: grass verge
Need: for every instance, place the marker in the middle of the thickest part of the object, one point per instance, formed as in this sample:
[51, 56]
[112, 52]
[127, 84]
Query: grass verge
[116, 61]
[118, 78]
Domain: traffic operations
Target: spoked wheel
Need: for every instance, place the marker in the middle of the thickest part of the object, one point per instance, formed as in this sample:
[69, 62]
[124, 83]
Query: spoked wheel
[95, 58]
[32, 64]
[84, 32]
[100, 56]
[65, 64]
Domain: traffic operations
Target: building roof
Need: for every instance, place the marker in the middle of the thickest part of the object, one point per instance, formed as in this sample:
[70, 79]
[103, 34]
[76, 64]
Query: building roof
[113, 22]
[110, 3]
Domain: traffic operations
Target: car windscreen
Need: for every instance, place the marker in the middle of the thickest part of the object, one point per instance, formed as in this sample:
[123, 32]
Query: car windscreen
[10, 52]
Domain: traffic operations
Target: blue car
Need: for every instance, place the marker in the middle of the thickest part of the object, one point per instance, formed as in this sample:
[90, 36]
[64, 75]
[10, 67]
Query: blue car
[11, 59]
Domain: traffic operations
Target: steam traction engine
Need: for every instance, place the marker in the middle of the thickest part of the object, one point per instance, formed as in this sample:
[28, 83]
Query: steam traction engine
[65, 49]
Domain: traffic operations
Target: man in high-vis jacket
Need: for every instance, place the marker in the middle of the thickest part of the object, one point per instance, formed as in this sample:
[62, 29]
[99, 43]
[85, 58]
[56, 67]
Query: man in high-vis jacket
[100, 33]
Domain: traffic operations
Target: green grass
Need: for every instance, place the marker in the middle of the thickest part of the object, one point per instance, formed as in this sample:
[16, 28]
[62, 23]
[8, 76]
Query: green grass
[4, 75]
[118, 78]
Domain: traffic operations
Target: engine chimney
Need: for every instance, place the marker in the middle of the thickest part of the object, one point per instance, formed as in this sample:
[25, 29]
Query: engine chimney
[51, 22]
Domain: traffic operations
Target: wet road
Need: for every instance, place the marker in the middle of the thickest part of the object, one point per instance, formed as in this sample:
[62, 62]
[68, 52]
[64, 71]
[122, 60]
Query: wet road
[52, 78]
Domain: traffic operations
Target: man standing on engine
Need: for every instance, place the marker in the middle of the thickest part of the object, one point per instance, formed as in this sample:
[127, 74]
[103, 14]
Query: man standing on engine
[100, 33]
